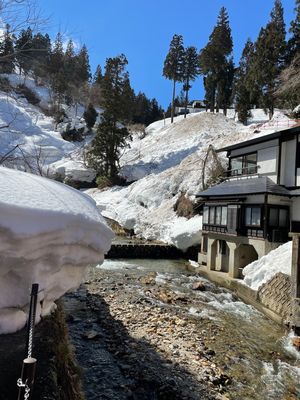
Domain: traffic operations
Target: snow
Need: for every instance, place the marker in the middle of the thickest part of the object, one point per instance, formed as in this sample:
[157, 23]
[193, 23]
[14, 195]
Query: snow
[39, 147]
[49, 234]
[168, 160]
[263, 269]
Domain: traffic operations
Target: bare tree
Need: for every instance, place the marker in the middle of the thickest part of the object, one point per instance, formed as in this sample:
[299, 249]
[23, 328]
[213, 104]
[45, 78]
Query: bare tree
[289, 88]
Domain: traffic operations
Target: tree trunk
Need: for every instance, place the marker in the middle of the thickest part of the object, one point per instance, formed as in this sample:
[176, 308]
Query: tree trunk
[271, 111]
[173, 98]
[186, 100]
[212, 100]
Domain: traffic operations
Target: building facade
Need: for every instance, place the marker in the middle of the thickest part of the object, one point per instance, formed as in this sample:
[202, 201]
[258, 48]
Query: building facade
[258, 204]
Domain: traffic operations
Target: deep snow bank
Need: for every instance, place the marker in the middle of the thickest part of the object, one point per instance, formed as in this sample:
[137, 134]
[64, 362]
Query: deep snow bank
[49, 233]
[263, 269]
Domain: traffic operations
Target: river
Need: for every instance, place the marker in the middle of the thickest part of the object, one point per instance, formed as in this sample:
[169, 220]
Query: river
[252, 350]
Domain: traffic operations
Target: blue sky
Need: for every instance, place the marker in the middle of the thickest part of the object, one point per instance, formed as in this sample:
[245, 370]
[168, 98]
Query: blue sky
[142, 30]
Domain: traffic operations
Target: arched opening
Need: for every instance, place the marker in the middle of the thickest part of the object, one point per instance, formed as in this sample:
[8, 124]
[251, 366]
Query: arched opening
[220, 256]
[244, 254]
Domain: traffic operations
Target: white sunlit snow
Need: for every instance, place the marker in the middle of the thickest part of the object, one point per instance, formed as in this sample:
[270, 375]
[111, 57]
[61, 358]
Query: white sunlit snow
[33, 141]
[168, 160]
[49, 234]
[263, 269]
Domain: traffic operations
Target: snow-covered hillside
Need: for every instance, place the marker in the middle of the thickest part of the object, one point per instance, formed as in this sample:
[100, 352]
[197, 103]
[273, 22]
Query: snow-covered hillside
[162, 163]
[49, 234]
[168, 161]
[30, 141]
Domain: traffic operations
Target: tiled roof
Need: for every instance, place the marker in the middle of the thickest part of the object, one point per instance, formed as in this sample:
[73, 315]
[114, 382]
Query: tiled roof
[245, 186]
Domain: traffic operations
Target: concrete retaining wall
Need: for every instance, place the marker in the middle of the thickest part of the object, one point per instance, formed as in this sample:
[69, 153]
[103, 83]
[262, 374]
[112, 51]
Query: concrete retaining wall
[273, 298]
[276, 295]
[154, 251]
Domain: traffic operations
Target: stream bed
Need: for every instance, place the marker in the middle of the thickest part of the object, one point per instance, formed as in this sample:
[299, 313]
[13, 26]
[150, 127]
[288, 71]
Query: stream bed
[192, 332]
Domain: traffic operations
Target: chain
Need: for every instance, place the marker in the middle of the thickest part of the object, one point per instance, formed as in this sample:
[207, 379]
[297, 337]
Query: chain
[30, 340]
[27, 392]
[27, 388]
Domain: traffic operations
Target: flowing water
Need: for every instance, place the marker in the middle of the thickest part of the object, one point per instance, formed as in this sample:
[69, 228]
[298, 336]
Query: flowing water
[251, 348]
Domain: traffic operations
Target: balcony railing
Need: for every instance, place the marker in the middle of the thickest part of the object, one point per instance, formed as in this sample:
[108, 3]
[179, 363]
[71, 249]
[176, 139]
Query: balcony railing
[233, 173]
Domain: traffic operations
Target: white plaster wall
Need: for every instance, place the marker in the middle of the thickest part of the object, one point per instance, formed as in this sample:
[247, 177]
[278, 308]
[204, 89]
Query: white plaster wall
[267, 162]
[288, 162]
[255, 147]
[255, 199]
[295, 211]
[279, 201]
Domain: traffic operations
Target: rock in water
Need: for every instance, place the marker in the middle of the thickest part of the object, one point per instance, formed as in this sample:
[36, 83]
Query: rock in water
[199, 286]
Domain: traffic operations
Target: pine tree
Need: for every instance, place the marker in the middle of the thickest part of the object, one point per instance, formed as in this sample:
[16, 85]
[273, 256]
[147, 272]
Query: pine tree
[90, 116]
[69, 71]
[95, 90]
[242, 84]
[174, 65]
[269, 59]
[215, 62]
[41, 49]
[191, 71]
[113, 85]
[69, 61]
[23, 50]
[82, 68]
[242, 91]
[294, 42]
[142, 109]
[7, 56]
[156, 112]
[225, 87]
[111, 137]
[97, 78]
[128, 99]
[56, 70]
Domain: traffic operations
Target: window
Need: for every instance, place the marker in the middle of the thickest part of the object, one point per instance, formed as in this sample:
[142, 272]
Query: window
[205, 215]
[237, 166]
[224, 216]
[253, 216]
[278, 217]
[244, 164]
[218, 215]
[215, 215]
[212, 215]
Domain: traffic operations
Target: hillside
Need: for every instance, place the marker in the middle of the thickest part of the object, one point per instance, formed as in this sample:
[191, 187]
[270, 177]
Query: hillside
[168, 160]
[159, 164]
[30, 140]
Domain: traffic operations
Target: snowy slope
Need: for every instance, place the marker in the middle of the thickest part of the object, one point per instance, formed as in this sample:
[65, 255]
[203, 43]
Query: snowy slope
[31, 137]
[169, 160]
[49, 234]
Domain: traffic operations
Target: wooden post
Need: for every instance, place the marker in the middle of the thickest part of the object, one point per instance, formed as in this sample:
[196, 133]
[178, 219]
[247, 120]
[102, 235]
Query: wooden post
[295, 281]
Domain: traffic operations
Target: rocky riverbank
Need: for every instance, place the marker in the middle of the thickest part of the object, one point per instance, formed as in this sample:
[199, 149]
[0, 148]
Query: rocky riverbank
[134, 342]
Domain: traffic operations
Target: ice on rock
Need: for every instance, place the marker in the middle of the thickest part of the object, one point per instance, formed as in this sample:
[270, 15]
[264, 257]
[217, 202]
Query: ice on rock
[49, 234]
